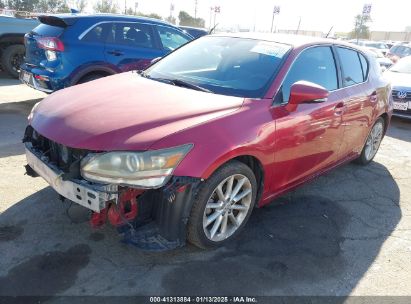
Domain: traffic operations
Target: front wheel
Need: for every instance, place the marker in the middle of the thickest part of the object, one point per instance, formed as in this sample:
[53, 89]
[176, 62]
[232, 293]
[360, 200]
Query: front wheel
[373, 143]
[223, 205]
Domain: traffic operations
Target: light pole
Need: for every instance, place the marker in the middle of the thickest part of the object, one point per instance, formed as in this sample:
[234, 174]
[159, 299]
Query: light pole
[125, 7]
[216, 10]
[195, 9]
[171, 11]
[135, 8]
[276, 11]
[211, 16]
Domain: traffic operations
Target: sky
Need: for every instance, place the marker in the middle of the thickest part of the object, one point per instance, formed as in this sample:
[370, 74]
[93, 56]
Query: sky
[318, 15]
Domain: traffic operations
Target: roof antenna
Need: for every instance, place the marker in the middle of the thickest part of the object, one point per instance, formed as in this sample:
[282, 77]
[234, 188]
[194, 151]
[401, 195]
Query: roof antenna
[74, 11]
[329, 32]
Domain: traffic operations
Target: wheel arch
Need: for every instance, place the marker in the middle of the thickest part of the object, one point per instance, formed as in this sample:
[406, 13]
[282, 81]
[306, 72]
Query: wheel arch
[386, 119]
[8, 39]
[253, 162]
[78, 75]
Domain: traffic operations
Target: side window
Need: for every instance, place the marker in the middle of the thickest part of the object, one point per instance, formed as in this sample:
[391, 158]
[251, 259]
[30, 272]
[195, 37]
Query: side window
[132, 34]
[351, 66]
[406, 51]
[171, 38]
[365, 67]
[316, 65]
[98, 34]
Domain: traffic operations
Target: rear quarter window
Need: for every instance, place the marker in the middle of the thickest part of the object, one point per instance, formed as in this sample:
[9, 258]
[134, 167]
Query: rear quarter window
[98, 34]
[364, 65]
[48, 30]
[351, 66]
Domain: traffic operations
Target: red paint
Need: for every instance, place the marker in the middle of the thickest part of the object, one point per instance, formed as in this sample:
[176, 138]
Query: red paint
[126, 209]
[98, 219]
[293, 144]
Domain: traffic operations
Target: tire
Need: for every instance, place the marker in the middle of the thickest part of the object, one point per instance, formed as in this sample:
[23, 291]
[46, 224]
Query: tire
[374, 138]
[12, 58]
[233, 173]
[90, 77]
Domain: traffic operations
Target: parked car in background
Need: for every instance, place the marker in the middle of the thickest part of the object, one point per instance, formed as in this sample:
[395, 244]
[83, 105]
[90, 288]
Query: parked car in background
[384, 62]
[68, 49]
[400, 77]
[372, 44]
[196, 32]
[188, 147]
[399, 51]
[12, 50]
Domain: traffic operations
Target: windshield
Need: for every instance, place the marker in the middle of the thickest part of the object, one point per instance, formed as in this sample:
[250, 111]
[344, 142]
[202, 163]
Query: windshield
[223, 65]
[402, 66]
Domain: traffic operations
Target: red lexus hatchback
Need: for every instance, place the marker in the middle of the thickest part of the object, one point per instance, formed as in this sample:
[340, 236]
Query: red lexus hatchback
[188, 148]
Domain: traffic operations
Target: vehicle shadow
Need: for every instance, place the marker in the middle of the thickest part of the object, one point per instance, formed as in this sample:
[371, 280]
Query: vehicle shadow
[318, 240]
[397, 127]
[13, 121]
[6, 80]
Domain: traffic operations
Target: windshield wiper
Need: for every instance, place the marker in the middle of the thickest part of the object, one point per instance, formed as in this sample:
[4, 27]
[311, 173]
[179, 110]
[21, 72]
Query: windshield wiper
[176, 82]
[143, 73]
[182, 83]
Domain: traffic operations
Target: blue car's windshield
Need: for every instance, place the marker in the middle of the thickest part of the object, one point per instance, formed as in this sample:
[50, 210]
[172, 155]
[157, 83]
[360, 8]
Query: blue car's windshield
[223, 65]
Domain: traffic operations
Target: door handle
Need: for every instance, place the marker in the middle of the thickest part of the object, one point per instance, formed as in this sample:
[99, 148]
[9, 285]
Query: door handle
[374, 97]
[339, 108]
[115, 53]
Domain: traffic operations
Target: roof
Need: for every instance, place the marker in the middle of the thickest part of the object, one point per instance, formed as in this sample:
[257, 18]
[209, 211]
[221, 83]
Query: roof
[192, 28]
[293, 40]
[110, 17]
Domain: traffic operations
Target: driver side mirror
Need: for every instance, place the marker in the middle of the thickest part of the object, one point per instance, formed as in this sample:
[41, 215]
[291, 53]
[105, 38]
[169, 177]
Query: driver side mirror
[306, 92]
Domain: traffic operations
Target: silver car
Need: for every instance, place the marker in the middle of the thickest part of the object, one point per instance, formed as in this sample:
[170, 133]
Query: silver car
[400, 77]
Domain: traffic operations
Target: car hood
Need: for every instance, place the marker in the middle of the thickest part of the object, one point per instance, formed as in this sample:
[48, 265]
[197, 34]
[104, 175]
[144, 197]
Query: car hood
[398, 80]
[125, 112]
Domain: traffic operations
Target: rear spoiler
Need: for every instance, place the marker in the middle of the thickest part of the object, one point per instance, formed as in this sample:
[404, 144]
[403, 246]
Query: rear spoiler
[60, 21]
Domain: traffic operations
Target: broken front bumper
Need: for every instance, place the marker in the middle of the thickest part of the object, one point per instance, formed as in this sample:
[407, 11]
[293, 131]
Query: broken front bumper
[91, 196]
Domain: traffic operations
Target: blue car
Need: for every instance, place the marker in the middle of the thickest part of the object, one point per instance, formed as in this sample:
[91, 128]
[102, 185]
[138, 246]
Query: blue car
[69, 49]
[196, 32]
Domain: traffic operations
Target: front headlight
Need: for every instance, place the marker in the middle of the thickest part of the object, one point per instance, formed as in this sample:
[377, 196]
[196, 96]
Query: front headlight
[33, 110]
[149, 169]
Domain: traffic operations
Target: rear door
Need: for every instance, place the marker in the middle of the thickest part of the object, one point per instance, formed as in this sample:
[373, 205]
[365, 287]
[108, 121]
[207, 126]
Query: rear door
[132, 46]
[359, 99]
[89, 48]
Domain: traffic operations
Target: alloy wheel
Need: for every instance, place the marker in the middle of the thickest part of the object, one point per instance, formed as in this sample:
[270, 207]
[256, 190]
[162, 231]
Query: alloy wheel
[374, 140]
[227, 207]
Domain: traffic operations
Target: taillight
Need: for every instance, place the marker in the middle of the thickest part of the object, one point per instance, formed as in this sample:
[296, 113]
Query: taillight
[50, 43]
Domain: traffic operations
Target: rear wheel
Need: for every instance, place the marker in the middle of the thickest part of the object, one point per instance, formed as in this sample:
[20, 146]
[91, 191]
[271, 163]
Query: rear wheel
[223, 205]
[12, 59]
[373, 143]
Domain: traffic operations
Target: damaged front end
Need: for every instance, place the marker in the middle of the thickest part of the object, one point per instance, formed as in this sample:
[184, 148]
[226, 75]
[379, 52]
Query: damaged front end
[150, 219]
